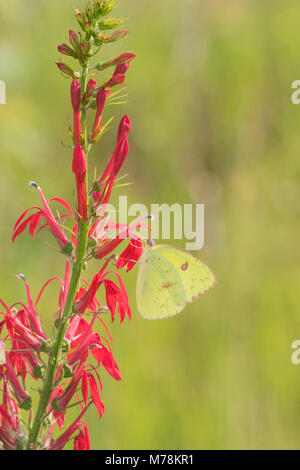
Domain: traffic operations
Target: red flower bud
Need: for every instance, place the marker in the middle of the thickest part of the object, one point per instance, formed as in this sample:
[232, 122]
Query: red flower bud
[101, 100]
[121, 59]
[75, 95]
[117, 79]
[76, 101]
[92, 84]
[65, 69]
[122, 68]
[79, 168]
[66, 50]
[79, 163]
[124, 129]
[73, 38]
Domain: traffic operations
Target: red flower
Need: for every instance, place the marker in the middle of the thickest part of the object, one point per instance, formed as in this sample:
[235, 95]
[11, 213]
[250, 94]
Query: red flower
[60, 443]
[121, 59]
[79, 168]
[116, 79]
[9, 418]
[18, 325]
[117, 298]
[45, 212]
[64, 289]
[122, 68]
[91, 85]
[32, 313]
[82, 441]
[64, 68]
[66, 50]
[22, 397]
[114, 165]
[89, 382]
[131, 254]
[62, 400]
[76, 102]
[89, 297]
[84, 340]
[100, 101]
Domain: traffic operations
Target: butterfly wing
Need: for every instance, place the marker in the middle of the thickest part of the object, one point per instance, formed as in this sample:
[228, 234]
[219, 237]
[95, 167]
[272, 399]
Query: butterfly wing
[170, 278]
[159, 292]
[196, 277]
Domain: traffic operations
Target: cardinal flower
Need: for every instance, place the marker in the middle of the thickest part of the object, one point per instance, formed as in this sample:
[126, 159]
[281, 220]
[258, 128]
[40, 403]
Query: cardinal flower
[79, 169]
[121, 59]
[32, 313]
[82, 440]
[23, 399]
[50, 221]
[78, 425]
[131, 254]
[114, 165]
[76, 102]
[9, 418]
[91, 86]
[100, 102]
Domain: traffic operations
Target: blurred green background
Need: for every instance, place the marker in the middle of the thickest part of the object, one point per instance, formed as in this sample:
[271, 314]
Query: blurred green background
[213, 122]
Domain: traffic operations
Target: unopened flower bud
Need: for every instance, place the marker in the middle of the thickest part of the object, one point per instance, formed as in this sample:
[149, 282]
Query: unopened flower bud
[88, 27]
[122, 68]
[90, 14]
[65, 69]
[91, 85]
[67, 249]
[85, 48]
[109, 23]
[79, 163]
[124, 128]
[38, 372]
[108, 38]
[73, 38]
[80, 18]
[121, 59]
[76, 95]
[66, 50]
[105, 6]
[117, 79]
[26, 404]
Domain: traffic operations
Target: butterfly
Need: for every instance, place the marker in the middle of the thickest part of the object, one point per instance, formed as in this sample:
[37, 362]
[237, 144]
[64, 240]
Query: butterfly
[168, 279]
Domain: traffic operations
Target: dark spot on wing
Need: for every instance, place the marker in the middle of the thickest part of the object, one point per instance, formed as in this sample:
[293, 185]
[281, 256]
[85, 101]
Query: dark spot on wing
[185, 266]
[166, 285]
